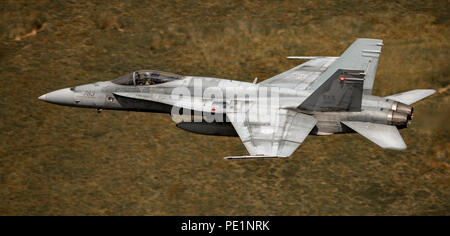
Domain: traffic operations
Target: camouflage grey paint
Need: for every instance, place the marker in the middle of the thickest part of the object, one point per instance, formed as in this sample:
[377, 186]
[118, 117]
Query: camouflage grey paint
[341, 92]
[323, 96]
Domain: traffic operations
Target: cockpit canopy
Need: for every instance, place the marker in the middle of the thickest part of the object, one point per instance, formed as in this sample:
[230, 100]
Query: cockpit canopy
[146, 77]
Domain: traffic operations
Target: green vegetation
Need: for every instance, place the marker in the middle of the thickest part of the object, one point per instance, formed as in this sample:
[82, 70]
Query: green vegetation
[57, 160]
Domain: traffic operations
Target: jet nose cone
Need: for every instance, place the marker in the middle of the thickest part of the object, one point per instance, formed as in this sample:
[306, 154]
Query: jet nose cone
[42, 98]
[61, 97]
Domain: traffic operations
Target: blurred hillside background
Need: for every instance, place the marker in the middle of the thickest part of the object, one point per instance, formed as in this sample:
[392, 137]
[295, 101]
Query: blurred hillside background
[66, 161]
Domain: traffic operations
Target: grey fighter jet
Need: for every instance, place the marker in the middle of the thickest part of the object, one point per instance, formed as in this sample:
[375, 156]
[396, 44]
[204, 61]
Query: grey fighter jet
[323, 96]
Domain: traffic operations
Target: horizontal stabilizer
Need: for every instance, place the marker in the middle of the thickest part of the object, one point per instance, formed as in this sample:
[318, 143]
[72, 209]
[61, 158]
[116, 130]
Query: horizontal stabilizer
[412, 96]
[251, 157]
[385, 136]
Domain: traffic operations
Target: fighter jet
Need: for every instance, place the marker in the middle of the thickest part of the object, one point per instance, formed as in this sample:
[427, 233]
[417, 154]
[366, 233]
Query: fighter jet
[323, 96]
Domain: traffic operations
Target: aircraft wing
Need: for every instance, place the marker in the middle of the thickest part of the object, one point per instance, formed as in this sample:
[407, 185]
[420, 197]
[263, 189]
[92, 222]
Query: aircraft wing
[385, 136]
[302, 76]
[270, 137]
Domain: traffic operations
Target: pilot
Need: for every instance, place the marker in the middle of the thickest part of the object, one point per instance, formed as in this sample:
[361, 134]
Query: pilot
[147, 78]
[139, 81]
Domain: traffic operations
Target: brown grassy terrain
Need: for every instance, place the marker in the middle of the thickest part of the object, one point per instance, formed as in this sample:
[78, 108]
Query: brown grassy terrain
[65, 161]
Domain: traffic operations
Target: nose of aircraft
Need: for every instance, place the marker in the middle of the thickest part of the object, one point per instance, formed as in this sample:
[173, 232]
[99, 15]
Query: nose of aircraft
[61, 97]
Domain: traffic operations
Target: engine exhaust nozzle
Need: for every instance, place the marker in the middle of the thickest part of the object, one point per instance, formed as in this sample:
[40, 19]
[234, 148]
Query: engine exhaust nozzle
[401, 120]
[402, 108]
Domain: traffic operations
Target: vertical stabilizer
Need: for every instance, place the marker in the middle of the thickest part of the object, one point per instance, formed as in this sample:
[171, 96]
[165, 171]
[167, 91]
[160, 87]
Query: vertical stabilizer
[363, 55]
[341, 92]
